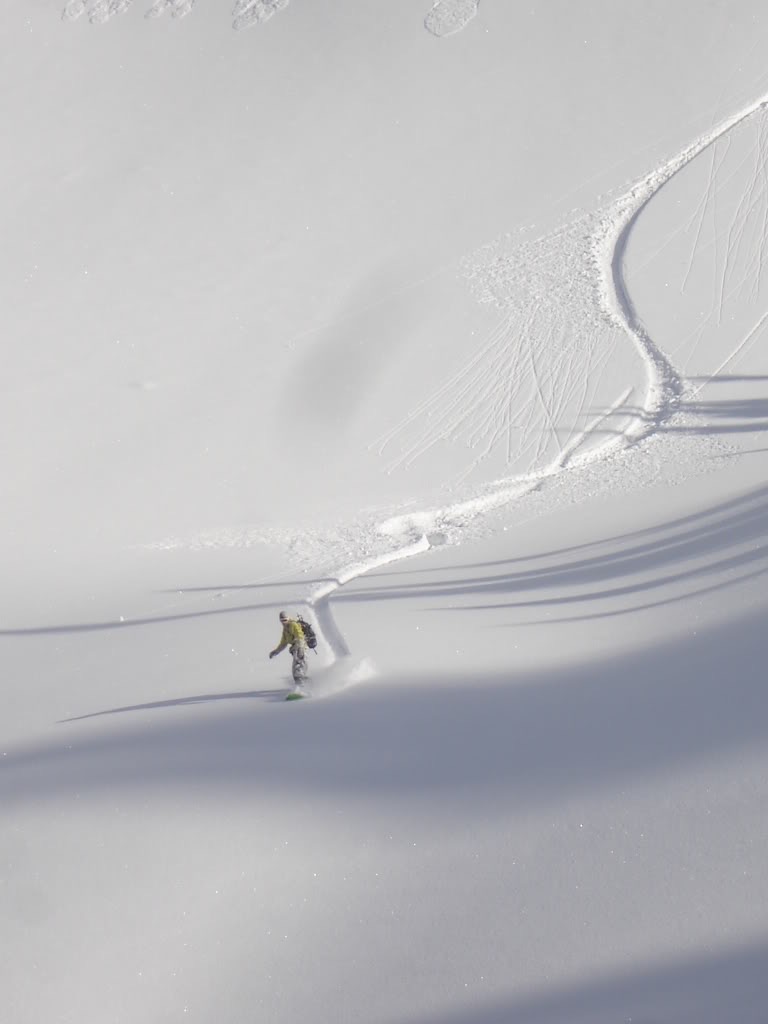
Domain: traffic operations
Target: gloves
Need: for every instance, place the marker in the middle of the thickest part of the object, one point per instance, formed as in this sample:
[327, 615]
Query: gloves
[272, 654]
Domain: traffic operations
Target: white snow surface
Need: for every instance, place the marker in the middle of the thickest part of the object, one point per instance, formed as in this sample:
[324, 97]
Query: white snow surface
[443, 324]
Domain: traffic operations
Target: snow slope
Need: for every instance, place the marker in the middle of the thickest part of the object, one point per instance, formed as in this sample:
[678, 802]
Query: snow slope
[446, 325]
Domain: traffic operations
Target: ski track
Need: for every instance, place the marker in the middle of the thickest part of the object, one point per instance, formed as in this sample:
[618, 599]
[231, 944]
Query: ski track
[736, 257]
[564, 311]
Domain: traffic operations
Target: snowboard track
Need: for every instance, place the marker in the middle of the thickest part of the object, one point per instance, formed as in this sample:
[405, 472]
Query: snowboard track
[665, 387]
[564, 306]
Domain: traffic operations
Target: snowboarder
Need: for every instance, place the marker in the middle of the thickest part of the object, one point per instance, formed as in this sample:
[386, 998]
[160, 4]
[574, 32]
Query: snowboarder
[293, 639]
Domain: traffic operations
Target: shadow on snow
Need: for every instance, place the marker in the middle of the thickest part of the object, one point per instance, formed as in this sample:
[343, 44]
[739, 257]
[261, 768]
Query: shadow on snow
[521, 740]
[701, 552]
[690, 554]
[203, 698]
[707, 989]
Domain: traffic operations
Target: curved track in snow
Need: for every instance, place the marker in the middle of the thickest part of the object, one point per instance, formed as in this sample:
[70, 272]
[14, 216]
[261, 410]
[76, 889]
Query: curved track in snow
[665, 386]
[452, 405]
[533, 391]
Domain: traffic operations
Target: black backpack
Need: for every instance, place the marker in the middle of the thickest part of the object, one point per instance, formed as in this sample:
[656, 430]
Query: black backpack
[309, 633]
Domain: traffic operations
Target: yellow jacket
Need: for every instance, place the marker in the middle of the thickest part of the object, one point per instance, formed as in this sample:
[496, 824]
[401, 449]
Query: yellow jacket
[292, 634]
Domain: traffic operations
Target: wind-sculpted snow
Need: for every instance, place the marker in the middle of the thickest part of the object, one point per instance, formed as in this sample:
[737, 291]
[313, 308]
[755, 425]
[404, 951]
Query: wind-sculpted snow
[176, 8]
[244, 14]
[255, 12]
[450, 16]
[98, 11]
[101, 11]
[445, 18]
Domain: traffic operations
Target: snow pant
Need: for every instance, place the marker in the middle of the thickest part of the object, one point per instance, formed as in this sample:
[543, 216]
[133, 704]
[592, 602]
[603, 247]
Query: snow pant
[299, 666]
